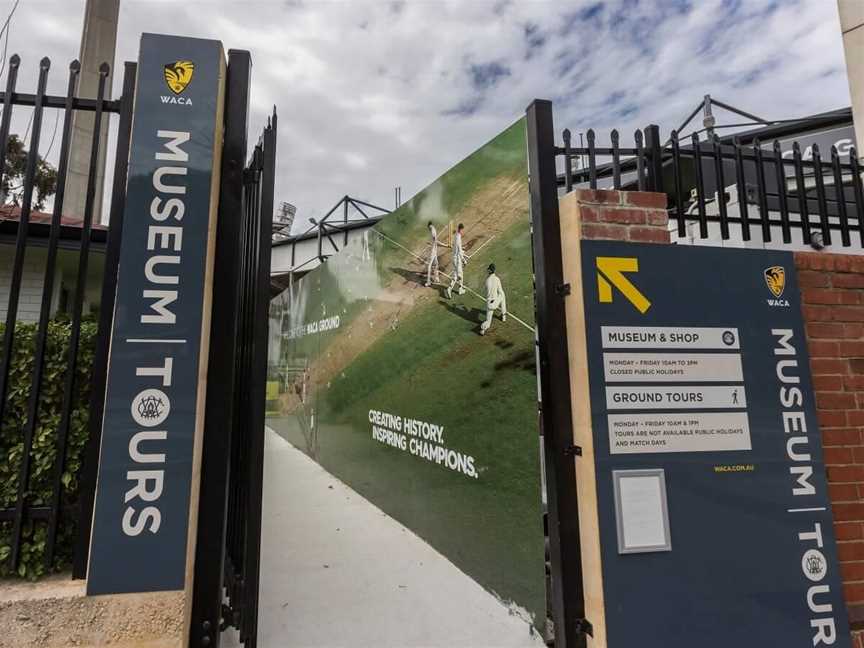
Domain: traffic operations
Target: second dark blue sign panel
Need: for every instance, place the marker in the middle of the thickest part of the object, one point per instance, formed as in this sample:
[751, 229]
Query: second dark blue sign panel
[708, 386]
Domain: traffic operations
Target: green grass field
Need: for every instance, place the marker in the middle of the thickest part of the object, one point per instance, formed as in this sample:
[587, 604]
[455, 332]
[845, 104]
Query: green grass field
[434, 366]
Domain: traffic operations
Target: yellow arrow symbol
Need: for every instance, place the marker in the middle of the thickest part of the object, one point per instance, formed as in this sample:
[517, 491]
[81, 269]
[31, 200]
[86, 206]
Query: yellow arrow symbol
[612, 269]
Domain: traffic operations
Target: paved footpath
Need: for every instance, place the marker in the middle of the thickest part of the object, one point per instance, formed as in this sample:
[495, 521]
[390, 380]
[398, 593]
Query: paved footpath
[337, 571]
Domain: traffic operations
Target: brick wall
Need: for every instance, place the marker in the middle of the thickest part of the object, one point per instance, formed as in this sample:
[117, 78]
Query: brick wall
[833, 306]
[832, 292]
[623, 216]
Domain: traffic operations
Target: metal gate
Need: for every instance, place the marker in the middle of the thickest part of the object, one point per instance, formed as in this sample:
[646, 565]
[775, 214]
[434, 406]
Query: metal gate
[229, 518]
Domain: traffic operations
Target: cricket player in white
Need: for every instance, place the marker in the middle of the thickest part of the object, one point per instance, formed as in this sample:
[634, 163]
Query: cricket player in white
[433, 256]
[495, 299]
[459, 261]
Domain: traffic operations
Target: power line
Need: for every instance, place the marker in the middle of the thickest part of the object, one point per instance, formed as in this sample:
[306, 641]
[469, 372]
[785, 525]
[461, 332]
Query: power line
[53, 135]
[29, 124]
[6, 29]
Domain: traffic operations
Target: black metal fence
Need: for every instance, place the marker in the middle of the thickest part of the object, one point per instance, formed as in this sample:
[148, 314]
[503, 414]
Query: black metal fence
[229, 519]
[31, 510]
[748, 190]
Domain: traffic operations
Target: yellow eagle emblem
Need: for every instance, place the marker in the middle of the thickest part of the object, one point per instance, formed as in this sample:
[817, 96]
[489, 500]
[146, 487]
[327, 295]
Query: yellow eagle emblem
[178, 75]
[775, 278]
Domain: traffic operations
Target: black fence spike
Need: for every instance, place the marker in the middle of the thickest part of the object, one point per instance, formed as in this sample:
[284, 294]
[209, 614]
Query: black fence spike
[741, 188]
[857, 191]
[720, 181]
[568, 161]
[29, 431]
[801, 191]
[821, 198]
[700, 186]
[681, 215]
[840, 197]
[782, 201]
[762, 190]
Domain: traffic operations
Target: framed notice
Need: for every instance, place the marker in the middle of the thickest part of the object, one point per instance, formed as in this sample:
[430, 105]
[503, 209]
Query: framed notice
[641, 511]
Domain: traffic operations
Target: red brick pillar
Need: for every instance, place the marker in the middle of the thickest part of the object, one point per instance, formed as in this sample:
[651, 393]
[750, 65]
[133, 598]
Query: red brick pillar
[636, 216]
[833, 308]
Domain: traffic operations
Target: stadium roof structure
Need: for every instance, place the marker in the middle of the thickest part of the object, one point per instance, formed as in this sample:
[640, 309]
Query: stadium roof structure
[762, 130]
[298, 254]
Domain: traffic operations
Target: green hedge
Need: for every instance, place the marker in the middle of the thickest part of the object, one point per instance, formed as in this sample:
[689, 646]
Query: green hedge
[32, 563]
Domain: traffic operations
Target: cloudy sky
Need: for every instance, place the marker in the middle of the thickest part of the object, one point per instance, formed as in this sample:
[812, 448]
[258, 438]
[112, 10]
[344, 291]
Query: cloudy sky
[371, 95]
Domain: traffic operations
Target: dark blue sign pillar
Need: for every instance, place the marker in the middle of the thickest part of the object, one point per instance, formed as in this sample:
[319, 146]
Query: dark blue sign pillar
[155, 389]
[714, 517]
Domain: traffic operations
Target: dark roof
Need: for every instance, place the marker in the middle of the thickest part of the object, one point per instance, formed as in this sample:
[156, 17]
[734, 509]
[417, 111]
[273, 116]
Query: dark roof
[780, 130]
[13, 213]
[39, 226]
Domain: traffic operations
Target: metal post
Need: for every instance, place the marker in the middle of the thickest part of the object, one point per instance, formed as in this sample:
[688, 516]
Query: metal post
[568, 604]
[568, 163]
[345, 216]
[258, 387]
[21, 238]
[219, 412]
[655, 158]
[708, 120]
[14, 290]
[45, 315]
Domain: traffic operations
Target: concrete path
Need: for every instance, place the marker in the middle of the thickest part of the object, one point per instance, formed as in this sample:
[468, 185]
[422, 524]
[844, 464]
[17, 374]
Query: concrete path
[336, 571]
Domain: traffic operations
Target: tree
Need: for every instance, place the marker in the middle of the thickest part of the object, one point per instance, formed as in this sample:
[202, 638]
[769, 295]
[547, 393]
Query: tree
[12, 185]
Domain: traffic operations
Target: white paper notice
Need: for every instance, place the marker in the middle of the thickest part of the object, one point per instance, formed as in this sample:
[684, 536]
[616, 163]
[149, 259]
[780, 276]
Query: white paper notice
[678, 432]
[669, 337]
[672, 367]
[642, 515]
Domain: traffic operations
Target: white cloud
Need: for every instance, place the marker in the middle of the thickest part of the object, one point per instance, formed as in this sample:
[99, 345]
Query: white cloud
[372, 95]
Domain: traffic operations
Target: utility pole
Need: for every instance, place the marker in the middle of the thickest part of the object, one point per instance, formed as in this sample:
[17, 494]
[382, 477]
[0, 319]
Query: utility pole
[852, 28]
[98, 43]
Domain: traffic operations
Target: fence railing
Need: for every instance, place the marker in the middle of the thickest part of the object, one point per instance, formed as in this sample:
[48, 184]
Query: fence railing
[227, 552]
[747, 190]
[27, 508]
